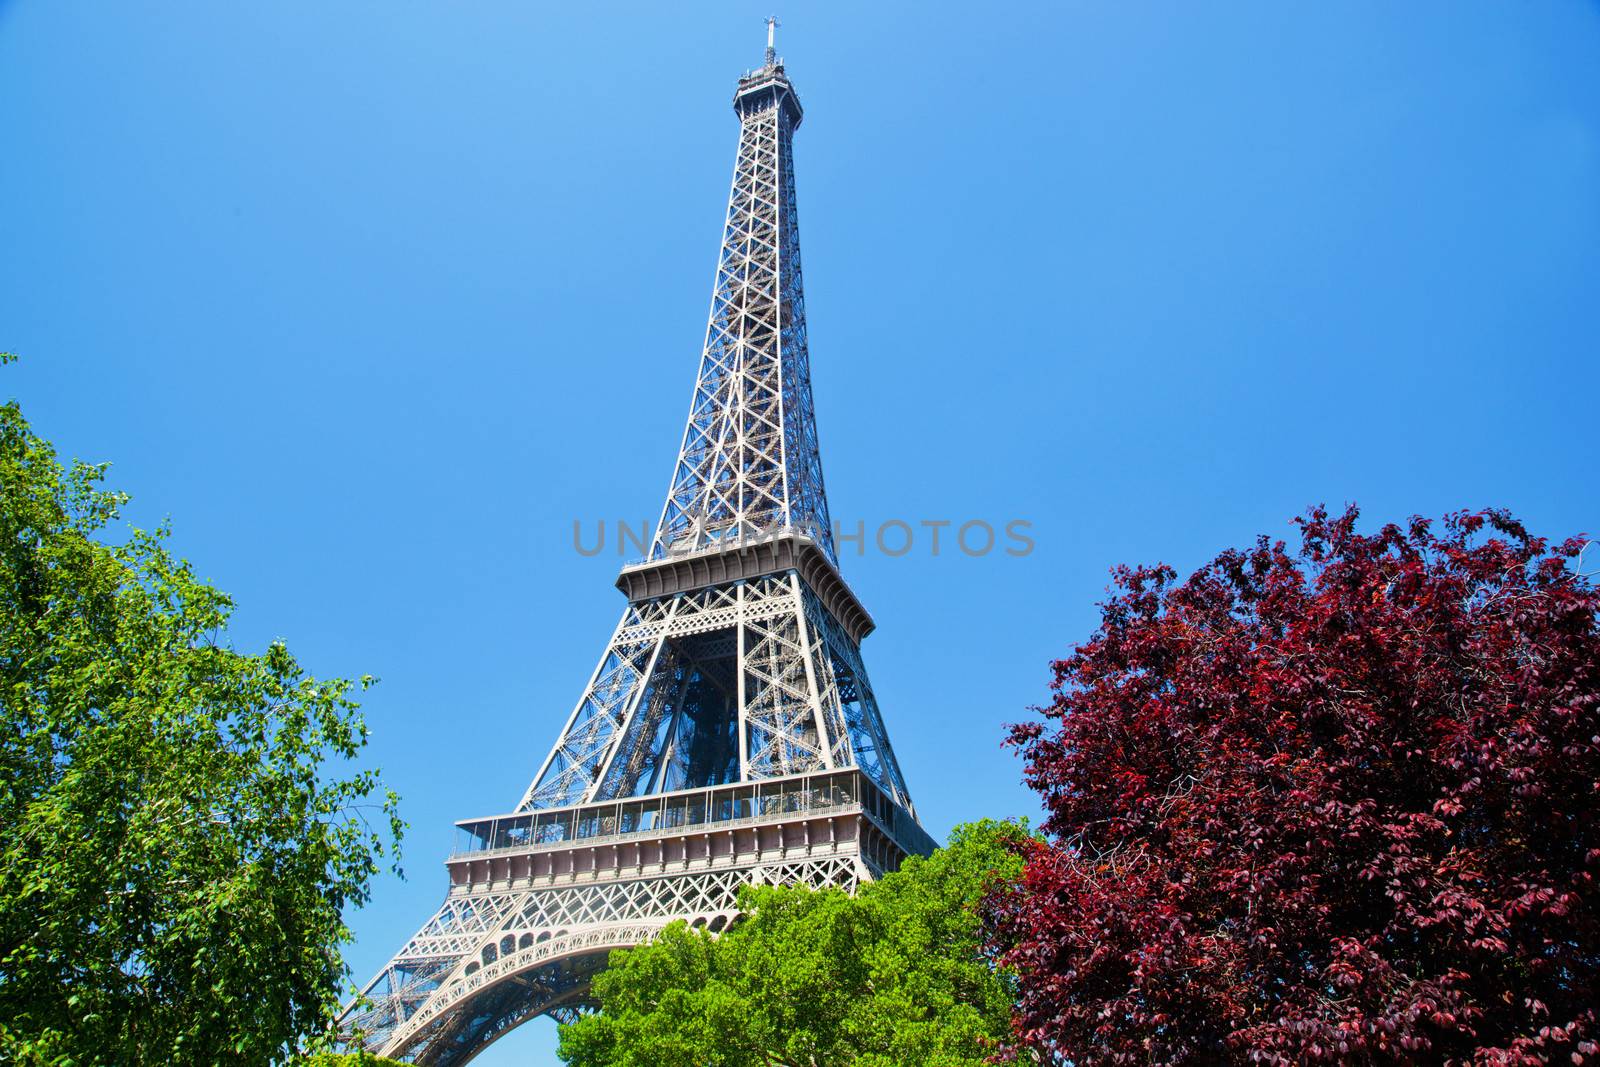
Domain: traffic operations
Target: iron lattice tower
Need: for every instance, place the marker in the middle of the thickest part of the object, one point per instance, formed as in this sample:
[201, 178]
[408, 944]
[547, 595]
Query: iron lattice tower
[729, 734]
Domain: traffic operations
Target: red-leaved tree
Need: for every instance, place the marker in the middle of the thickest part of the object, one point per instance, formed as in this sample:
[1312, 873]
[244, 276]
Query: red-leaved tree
[1333, 805]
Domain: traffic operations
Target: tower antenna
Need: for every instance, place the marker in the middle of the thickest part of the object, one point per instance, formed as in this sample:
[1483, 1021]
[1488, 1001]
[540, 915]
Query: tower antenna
[772, 25]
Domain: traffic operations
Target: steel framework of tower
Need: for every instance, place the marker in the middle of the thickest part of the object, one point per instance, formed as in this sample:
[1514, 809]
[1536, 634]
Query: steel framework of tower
[729, 734]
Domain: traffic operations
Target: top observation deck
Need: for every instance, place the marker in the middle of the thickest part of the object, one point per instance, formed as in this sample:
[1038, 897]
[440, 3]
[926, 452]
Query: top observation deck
[764, 88]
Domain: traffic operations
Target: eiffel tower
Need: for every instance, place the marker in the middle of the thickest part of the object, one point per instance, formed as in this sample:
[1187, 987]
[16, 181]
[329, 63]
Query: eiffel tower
[729, 735]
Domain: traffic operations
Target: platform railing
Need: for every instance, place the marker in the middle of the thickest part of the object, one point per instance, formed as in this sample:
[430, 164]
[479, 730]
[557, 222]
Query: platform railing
[694, 810]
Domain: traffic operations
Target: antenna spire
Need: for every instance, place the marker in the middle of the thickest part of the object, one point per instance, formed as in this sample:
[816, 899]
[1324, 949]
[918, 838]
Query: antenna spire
[772, 25]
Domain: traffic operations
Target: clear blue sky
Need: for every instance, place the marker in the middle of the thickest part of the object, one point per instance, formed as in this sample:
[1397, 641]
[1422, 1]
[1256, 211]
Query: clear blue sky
[375, 299]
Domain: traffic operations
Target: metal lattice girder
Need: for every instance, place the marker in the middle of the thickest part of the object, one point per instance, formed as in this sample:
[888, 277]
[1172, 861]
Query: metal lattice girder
[792, 679]
[432, 1005]
[749, 461]
[732, 682]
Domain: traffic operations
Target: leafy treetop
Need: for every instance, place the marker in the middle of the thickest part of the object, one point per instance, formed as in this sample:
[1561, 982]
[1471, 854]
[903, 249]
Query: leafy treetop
[175, 847]
[894, 975]
[1333, 805]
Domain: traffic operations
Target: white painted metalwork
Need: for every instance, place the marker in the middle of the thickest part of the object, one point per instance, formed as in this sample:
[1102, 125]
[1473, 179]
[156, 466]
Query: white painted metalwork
[728, 735]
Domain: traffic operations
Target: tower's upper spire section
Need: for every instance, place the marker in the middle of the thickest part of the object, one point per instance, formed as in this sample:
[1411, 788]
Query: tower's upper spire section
[772, 54]
[749, 466]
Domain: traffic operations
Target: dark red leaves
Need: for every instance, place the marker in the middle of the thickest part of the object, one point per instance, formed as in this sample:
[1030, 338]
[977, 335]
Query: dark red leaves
[1331, 806]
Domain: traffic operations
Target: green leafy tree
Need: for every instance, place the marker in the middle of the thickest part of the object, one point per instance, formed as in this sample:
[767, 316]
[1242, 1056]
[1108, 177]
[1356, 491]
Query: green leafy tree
[180, 823]
[894, 975]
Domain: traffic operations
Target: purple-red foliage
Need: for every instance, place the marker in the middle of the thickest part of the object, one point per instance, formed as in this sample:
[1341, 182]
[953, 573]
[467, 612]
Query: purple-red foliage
[1331, 806]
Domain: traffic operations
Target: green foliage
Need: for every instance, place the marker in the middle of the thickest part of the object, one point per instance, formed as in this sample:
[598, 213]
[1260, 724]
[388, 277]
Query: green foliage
[892, 976]
[175, 849]
[346, 1059]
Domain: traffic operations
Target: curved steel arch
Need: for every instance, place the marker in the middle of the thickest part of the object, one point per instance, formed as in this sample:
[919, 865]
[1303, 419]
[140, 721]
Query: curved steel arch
[544, 979]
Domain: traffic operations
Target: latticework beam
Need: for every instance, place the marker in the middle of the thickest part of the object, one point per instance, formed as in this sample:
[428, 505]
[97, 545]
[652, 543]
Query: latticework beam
[728, 735]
